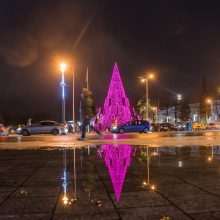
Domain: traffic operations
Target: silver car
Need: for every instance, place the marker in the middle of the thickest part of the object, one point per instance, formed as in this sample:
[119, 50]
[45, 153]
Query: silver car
[43, 127]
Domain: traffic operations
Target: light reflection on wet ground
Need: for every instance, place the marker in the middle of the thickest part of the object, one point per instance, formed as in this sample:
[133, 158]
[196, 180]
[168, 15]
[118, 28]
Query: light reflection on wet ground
[111, 182]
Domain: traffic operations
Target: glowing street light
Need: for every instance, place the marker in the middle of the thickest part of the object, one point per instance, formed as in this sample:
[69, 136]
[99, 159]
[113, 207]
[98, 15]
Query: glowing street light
[209, 101]
[145, 79]
[63, 67]
[179, 97]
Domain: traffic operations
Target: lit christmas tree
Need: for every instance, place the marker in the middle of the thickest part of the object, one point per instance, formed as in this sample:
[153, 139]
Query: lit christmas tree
[117, 159]
[117, 108]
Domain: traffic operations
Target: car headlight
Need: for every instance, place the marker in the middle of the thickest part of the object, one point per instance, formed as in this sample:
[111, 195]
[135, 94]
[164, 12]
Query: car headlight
[114, 128]
[18, 129]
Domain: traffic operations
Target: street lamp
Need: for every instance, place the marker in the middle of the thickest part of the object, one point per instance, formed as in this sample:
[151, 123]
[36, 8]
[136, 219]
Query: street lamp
[156, 113]
[209, 101]
[179, 97]
[74, 100]
[177, 106]
[145, 79]
[62, 84]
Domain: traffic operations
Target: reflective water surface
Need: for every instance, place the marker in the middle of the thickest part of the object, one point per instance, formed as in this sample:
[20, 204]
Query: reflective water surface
[150, 183]
[111, 182]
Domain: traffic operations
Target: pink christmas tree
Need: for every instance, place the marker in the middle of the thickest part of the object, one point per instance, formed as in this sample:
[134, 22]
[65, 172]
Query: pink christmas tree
[116, 106]
[117, 159]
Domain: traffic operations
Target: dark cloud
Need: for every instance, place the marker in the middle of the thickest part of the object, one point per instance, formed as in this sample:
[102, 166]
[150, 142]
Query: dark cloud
[179, 40]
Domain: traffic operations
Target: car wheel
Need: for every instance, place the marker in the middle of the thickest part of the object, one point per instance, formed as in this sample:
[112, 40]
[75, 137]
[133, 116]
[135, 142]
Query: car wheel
[145, 130]
[55, 132]
[121, 131]
[25, 133]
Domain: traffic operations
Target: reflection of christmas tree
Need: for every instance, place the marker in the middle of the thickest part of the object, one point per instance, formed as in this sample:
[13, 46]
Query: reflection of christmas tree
[117, 159]
[116, 106]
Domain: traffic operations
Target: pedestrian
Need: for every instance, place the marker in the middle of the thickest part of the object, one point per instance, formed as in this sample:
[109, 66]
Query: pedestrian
[88, 112]
[29, 122]
[190, 125]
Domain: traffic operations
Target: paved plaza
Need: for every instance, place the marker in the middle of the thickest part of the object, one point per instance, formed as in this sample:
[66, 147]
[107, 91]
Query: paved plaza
[110, 182]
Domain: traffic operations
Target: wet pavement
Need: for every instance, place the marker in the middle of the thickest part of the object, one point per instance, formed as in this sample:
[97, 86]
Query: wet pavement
[111, 182]
[155, 139]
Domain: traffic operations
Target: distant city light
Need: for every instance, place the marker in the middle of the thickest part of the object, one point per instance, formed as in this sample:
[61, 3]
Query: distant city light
[179, 97]
[195, 117]
[153, 187]
[180, 163]
[209, 159]
[144, 183]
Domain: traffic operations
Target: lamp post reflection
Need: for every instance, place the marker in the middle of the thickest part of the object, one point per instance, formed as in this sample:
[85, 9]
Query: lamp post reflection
[148, 184]
[64, 184]
[74, 172]
[65, 199]
[210, 158]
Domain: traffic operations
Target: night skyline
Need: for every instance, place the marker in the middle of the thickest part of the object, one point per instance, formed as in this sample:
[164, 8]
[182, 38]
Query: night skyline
[179, 41]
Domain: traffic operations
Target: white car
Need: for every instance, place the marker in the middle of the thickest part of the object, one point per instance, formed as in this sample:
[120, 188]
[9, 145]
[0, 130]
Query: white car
[43, 127]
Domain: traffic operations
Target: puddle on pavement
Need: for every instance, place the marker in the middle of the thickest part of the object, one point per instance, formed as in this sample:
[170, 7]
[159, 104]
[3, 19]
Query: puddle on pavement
[137, 177]
[124, 181]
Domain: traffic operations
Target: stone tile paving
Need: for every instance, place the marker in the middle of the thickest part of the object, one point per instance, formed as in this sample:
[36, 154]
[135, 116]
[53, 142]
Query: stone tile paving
[32, 185]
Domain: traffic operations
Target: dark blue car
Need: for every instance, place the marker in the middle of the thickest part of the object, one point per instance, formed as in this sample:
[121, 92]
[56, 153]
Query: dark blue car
[133, 126]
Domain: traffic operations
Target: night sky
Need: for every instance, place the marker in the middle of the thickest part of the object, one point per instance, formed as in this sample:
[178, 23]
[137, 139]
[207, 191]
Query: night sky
[177, 40]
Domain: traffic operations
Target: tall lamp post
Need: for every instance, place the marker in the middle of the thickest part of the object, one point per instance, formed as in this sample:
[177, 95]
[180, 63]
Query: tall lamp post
[156, 114]
[62, 84]
[74, 100]
[177, 106]
[145, 79]
[209, 101]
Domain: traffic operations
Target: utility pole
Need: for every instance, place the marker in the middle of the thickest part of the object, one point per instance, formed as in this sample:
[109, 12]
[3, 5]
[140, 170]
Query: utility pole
[73, 101]
[87, 78]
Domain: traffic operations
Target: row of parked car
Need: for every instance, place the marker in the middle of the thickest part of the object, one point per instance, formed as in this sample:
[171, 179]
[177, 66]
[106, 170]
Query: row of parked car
[55, 128]
[185, 126]
[143, 126]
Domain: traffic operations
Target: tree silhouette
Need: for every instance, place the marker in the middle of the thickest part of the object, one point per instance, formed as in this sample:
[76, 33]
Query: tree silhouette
[185, 110]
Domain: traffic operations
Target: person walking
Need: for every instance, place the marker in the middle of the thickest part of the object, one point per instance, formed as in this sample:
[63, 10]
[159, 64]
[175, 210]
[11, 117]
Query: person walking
[29, 122]
[88, 112]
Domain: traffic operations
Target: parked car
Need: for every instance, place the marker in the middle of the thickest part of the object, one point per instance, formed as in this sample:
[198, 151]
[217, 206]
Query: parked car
[43, 127]
[133, 126]
[3, 130]
[155, 127]
[213, 126]
[168, 127]
[181, 126]
[198, 126]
